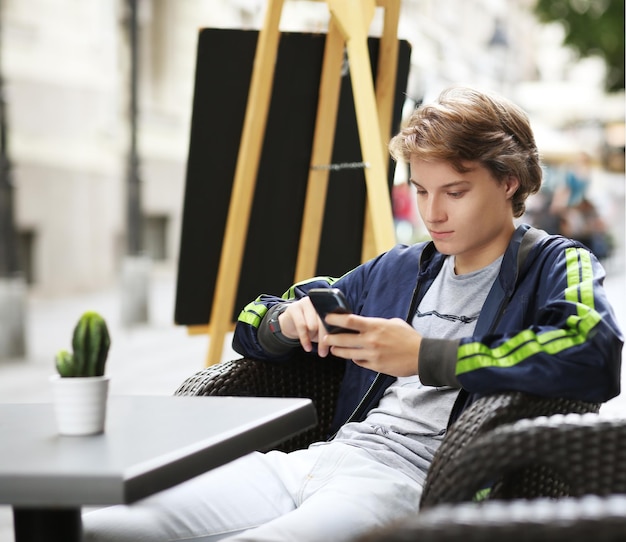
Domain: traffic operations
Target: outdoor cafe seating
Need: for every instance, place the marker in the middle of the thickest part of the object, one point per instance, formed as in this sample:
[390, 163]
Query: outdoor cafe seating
[555, 468]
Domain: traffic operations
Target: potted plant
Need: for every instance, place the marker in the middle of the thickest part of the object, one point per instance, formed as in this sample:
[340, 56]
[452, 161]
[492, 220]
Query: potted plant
[80, 389]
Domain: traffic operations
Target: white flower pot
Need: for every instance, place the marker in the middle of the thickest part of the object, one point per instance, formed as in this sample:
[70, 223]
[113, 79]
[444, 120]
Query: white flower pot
[80, 404]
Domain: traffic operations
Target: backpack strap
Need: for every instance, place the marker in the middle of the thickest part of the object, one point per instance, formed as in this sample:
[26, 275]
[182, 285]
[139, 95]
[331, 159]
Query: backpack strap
[530, 239]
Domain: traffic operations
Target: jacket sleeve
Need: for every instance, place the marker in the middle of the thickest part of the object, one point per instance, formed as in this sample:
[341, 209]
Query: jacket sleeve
[561, 338]
[246, 337]
[437, 362]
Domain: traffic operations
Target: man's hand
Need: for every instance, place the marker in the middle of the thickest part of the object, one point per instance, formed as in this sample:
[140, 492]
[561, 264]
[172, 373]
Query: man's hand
[389, 346]
[301, 321]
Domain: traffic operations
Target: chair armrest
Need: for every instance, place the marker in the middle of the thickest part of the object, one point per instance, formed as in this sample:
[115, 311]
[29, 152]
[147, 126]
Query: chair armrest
[483, 416]
[600, 519]
[304, 375]
[577, 454]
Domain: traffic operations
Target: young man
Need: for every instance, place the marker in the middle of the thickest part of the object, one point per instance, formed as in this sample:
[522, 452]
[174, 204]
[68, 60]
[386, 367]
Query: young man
[486, 306]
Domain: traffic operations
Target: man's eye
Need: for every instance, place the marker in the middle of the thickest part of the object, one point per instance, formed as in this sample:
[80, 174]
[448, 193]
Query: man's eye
[455, 194]
[420, 192]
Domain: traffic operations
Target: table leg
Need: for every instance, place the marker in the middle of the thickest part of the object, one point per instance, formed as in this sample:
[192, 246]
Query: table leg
[47, 524]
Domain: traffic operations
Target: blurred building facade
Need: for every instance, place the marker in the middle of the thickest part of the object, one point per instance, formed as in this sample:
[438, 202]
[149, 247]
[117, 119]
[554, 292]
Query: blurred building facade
[66, 68]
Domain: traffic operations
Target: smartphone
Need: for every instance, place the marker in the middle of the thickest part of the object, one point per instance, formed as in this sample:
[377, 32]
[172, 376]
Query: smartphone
[327, 300]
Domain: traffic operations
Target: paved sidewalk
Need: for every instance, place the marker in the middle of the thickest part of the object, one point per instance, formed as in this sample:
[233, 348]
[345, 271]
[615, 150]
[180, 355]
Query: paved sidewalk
[153, 358]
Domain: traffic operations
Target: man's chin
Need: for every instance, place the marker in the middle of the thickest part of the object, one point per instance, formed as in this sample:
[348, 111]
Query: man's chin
[444, 248]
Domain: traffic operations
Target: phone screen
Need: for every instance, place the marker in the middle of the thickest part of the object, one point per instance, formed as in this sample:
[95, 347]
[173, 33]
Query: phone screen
[327, 300]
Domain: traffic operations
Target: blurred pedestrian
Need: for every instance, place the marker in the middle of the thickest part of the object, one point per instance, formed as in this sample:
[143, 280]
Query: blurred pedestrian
[576, 183]
[577, 216]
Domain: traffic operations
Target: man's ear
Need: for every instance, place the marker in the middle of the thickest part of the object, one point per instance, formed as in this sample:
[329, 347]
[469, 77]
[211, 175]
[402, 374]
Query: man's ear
[511, 184]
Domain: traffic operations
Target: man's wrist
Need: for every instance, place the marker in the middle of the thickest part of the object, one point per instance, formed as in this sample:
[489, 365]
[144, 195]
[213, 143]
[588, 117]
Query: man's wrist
[274, 326]
[271, 342]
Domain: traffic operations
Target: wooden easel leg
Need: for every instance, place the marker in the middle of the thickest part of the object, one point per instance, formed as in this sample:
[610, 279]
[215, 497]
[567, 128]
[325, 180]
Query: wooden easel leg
[321, 154]
[351, 19]
[354, 18]
[244, 182]
[386, 75]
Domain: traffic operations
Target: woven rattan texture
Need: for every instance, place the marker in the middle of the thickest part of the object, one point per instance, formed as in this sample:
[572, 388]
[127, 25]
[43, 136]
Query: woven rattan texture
[304, 375]
[307, 375]
[585, 454]
[447, 483]
[597, 519]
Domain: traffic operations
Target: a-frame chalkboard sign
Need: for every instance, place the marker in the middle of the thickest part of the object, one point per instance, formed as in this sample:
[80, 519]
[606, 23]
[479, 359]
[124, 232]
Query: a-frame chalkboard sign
[288, 174]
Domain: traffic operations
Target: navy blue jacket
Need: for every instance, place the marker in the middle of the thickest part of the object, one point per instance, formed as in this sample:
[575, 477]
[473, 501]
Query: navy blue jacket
[546, 327]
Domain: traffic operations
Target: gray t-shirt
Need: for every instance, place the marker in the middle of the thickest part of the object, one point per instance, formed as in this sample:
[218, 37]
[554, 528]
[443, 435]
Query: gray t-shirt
[407, 426]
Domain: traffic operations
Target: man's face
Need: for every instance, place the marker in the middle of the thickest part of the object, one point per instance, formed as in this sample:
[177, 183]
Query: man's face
[468, 215]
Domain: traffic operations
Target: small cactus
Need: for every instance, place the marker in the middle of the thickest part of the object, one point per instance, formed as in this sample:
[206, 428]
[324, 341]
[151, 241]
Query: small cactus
[90, 344]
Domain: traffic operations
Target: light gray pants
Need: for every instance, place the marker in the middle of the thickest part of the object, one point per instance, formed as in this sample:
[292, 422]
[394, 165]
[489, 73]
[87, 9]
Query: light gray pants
[330, 492]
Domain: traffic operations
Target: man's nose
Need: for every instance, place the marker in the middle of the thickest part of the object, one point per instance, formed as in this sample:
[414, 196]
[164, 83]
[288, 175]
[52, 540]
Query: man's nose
[434, 210]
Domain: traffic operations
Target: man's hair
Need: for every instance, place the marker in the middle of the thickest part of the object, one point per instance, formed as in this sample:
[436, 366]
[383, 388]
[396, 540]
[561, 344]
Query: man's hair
[465, 125]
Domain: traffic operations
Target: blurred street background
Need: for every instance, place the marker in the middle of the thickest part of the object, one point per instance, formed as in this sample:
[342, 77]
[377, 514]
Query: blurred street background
[95, 113]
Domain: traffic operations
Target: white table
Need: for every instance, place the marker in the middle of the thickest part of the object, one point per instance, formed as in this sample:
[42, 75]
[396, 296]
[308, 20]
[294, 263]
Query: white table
[150, 444]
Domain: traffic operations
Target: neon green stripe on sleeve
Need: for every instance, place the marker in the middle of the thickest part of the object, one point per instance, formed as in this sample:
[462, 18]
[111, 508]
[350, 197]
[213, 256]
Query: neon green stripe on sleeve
[579, 290]
[253, 313]
[573, 275]
[579, 278]
[586, 283]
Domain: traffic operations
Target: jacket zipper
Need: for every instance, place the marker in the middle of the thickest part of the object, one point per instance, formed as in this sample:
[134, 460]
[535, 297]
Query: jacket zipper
[379, 377]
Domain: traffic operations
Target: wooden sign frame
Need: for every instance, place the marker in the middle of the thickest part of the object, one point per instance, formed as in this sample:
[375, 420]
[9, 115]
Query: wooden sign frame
[347, 36]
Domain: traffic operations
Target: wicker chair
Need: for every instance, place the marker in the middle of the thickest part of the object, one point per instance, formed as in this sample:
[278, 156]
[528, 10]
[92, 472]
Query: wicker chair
[447, 482]
[600, 519]
[307, 375]
[585, 453]
[304, 375]
[525, 446]
[556, 456]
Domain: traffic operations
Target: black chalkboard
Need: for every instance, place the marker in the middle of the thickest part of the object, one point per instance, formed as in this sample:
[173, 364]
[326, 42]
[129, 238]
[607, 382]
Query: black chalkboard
[223, 73]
